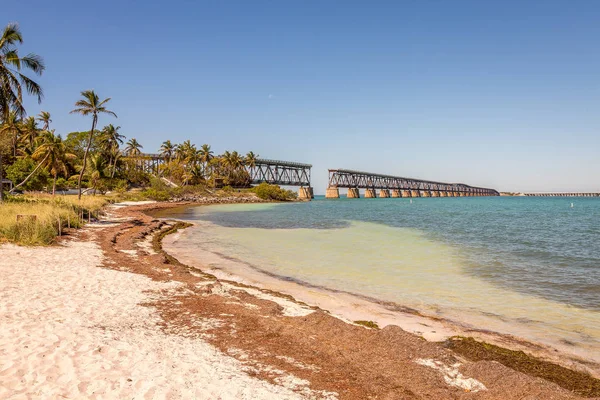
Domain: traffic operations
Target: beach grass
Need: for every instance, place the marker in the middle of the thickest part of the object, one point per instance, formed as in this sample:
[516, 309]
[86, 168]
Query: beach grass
[37, 219]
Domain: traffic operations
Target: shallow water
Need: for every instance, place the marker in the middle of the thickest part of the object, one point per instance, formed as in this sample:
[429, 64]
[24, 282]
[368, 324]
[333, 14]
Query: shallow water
[525, 266]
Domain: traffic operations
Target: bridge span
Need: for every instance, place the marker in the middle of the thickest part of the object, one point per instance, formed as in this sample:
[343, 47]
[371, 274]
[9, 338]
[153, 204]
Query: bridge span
[283, 173]
[275, 172]
[395, 186]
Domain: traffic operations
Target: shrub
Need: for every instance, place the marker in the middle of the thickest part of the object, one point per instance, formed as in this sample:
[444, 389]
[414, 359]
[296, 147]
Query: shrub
[266, 191]
[156, 194]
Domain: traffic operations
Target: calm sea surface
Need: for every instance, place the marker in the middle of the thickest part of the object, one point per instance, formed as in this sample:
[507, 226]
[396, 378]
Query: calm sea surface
[529, 266]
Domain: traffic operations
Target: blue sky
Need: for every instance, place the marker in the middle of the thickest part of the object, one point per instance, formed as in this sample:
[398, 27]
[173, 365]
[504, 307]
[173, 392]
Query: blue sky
[501, 94]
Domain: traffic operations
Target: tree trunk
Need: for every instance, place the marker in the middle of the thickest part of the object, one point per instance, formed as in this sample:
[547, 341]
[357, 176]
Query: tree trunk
[1, 177]
[32, 173]
[54, 186]
[114, 168]
[87, 150]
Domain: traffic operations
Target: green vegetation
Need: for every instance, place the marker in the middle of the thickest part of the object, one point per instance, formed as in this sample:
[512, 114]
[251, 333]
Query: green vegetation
[368, 324]
[35, 158]
[266, 191]
[577, 382]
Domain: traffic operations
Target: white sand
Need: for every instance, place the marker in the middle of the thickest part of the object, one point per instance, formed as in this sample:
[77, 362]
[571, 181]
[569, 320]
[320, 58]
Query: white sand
[69, 329]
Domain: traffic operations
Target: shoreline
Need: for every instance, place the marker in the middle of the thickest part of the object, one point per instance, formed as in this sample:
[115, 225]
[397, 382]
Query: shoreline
[290, 348]
[351, 307]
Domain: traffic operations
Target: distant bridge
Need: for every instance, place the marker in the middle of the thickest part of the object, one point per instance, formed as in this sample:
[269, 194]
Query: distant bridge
[563, 194]
[270, 171]
[395, 186]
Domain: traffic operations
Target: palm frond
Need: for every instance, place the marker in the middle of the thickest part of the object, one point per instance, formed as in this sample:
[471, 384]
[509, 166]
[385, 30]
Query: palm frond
[34, 63]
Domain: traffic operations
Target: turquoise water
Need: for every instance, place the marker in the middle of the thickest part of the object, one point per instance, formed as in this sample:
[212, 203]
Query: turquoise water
[529, 266]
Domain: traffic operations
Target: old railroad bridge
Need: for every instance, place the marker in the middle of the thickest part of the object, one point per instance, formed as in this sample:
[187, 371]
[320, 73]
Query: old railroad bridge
[395, 186]
[297, 174]
[270, 171]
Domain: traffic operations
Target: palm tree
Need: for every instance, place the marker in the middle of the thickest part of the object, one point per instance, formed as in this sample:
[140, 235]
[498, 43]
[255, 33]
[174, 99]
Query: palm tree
[42, 154]
[29, 134]
[206, 155]
[12, 127]
[44, 117]
[167, 149]
[133, 148]
[90, 104]
[54, 156]
[250, 159]
[111, 139]
[186, 152]
[98, 170]
[12, 80]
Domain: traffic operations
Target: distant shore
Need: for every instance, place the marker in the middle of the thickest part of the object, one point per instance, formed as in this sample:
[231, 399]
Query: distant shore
[223, 335]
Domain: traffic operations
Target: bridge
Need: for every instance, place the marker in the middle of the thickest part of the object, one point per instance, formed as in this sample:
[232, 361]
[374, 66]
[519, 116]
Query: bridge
[262, 170]
[563, 194]
[282, 173]
[395, 186]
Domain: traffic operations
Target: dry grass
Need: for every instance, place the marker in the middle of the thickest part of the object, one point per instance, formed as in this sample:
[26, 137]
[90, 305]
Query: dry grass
[37, 219]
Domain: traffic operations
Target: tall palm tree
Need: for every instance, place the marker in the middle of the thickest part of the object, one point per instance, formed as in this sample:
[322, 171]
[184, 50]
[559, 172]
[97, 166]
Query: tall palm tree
[133, 147]
[55, 156]
[206, 154]
[12, 80]
[167, 150]
[90, 104]
[44, 117]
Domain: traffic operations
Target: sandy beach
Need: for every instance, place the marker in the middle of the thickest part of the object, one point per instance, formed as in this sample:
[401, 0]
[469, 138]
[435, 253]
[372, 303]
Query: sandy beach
[106, 314]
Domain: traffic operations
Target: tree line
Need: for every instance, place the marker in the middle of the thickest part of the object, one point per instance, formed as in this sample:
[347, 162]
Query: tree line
[34, 156]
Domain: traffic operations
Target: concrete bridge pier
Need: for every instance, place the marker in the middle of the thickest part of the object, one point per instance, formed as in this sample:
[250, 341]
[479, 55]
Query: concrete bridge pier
[435, 193]
[353, 193]
[442, 193]
[370, 194]
[425, 193]
[332, 193]
[384, 193]
[415, 193]
[396, 193]
[405, 193]
[305, 193]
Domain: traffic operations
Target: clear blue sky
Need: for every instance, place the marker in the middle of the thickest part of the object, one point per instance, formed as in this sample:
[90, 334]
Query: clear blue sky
[502, 94]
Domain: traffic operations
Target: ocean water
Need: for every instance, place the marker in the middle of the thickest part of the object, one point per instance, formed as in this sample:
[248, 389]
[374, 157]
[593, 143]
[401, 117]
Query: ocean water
[523, 266]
